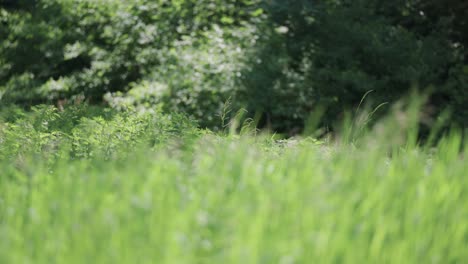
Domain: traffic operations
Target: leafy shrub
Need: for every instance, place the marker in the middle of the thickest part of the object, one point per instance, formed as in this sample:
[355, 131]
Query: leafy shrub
[333, 52]
[197, 78]
[80, 132]
[59, 48]
[192, 56]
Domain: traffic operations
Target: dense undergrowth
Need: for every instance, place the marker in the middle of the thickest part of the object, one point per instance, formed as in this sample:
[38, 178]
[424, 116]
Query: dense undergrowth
[103, 158]
[281, 60]
[101, 186]
[80, 132]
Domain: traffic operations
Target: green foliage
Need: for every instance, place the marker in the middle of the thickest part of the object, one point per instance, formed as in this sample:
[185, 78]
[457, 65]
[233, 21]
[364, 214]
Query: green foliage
[331, 53]
[285, 59]
[198, 77]
[80, 132]
[139, 182]
[116, 199]
[51, 49]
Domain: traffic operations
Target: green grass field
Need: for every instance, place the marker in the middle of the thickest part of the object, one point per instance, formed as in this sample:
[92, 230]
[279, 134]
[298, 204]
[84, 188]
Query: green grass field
[148, 190]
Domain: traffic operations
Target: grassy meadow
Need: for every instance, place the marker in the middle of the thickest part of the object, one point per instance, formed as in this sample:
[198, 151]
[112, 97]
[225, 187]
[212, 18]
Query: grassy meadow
[103, 187]
[233, 131]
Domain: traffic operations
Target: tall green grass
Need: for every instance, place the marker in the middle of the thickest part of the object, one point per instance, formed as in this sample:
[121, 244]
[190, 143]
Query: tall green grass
[102, 191]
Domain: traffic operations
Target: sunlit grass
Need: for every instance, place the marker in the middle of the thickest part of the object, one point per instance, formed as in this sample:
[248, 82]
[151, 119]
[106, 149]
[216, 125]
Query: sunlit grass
[238, 200]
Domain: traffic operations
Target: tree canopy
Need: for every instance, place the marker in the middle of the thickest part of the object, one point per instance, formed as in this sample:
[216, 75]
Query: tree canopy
[284, 59]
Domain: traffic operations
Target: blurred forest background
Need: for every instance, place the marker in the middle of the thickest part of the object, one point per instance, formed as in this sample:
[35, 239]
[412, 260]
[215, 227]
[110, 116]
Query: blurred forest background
[281, 60]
